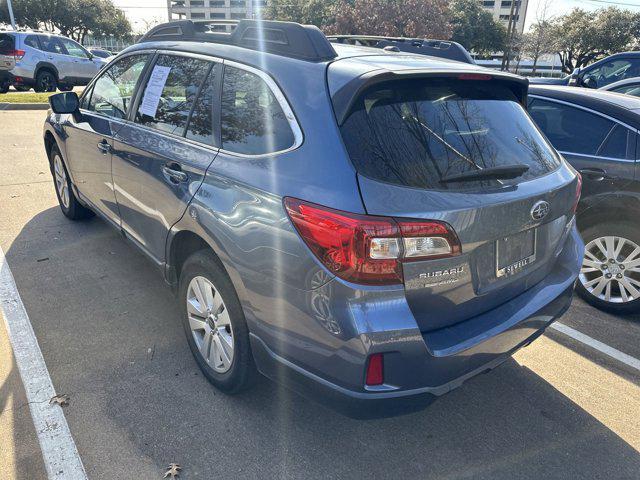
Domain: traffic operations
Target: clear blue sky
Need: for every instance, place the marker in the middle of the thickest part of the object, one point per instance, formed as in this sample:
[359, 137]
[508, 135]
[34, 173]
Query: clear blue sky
[141, 11]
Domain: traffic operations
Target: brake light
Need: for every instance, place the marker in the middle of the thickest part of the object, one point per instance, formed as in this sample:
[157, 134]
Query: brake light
[375, 370]
[578, 193]
[474, 76]
[17, 54]
[368, 249]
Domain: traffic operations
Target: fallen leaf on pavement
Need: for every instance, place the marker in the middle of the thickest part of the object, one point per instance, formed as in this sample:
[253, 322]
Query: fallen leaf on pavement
[61, 399]
[173, 471]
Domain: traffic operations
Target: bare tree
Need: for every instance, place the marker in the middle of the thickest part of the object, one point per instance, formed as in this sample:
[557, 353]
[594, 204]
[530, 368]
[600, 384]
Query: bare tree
[539, 39]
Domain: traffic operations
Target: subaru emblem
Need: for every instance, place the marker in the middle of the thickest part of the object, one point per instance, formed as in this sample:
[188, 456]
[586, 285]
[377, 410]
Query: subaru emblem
[539, 210]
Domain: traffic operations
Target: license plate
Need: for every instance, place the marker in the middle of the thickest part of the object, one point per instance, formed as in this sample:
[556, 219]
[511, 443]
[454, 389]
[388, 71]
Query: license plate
[515, 252]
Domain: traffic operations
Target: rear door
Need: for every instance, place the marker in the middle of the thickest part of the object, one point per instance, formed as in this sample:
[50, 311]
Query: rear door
[89, 140]
[600, 148]
[81, 63]
[160, 160]
[408, 139]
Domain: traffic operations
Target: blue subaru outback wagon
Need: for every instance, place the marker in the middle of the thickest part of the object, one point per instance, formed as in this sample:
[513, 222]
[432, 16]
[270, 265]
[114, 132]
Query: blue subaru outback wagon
[371, 228]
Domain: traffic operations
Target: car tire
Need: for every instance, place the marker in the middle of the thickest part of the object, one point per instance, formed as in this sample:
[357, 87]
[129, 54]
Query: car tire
[4, 86]
[46, 81]
[65, 88]
[69, 204]
[213, 321]
[609, 279]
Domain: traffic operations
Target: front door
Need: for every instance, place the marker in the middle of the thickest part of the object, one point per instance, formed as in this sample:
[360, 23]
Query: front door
[160, 160]
[82, 67]
[90, 140]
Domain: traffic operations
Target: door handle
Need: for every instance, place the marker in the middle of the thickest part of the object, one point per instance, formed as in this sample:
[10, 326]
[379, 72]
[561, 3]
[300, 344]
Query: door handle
[175, 173]
[595, 174]
[104, 147]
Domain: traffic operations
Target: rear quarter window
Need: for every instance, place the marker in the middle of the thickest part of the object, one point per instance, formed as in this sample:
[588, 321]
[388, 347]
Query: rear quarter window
[416, 133]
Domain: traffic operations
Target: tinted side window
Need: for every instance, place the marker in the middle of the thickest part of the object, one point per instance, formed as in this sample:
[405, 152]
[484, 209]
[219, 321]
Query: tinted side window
[615, 145]
[570, 129]
[74, 49]
[52, 45]
[252, 121]
[170, 93]
[200, 127]
[112, 92]
[7, 43]
[32, 41]
[613, 71]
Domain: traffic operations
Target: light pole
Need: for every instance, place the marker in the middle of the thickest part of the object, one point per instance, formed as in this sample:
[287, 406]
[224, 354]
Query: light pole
[13, 20]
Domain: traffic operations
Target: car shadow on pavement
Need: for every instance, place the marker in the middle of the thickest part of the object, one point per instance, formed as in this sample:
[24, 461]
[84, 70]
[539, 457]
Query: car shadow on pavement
[111, 337]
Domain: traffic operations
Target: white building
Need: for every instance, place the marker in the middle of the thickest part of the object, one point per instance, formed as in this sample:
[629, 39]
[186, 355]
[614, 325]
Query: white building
[500, 9]
[213, 9]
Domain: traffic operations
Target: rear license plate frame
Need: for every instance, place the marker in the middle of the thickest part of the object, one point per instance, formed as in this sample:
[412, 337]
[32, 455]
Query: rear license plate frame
[515, 265]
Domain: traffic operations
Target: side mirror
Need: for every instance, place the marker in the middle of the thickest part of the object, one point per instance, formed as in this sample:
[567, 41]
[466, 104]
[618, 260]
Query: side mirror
[66, 102]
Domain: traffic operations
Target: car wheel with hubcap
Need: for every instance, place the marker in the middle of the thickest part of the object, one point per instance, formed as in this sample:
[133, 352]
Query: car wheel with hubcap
[66, 197]
[610, 275]
[214, 323]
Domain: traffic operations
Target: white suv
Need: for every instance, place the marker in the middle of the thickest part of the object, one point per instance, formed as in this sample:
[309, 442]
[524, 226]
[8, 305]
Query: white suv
[45, 61]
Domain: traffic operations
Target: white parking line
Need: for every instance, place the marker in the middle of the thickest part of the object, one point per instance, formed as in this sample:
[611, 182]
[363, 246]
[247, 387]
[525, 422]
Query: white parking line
[59, 451]
[595, 344]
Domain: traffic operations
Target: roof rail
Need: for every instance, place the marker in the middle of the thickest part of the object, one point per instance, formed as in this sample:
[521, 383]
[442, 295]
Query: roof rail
[288, 39]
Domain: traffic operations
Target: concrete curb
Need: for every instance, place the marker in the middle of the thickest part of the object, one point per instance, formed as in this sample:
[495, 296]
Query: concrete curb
[24, 106]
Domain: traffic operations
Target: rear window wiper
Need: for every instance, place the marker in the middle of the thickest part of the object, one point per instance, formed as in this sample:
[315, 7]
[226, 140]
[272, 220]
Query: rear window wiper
[501, 172]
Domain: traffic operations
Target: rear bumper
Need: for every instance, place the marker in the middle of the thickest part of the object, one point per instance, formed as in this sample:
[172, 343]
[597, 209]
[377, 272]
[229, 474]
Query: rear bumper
[417, 366]
[459, 367]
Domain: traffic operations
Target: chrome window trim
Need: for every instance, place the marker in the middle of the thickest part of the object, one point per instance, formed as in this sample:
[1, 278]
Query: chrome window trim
[603, 115]
[298, 136]
[100, 73]
[586, 155]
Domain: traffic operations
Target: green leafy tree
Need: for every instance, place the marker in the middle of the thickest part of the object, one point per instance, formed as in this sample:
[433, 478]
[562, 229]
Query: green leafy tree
[475, 29]
[581, 37]
[72, 18]
[309, 12]
[397, 18]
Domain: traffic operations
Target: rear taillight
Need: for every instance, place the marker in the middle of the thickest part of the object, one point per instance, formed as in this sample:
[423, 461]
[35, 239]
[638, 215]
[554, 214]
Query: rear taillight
[17, 54]
[578, 193]
[369, 249]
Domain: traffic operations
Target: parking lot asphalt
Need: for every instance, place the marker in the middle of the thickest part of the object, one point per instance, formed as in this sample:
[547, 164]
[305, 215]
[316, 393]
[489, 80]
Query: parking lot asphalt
[110, 335]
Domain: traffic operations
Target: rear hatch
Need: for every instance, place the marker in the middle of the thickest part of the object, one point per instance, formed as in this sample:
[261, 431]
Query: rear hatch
[462, 150]
[7, 51]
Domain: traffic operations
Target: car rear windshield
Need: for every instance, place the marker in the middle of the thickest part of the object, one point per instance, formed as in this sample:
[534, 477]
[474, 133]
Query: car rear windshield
[7, 44]
[417, 133]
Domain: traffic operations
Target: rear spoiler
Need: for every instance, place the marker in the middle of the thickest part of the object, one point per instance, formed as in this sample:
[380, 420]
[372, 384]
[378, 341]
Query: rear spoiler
[344, 99]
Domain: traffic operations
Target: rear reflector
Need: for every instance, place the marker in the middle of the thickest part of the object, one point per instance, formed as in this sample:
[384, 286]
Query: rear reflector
[369, 249]
[375, 370]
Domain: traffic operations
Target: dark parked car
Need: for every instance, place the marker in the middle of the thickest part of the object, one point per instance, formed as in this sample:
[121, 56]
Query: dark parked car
[629, 86]
[603, 72]
[259, 175]
[597, 132]
[100, 52]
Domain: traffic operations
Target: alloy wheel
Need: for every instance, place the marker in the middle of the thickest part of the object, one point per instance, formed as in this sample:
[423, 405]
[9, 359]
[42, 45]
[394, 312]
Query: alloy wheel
[62, 186]
[210, 324]
[611, 269]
